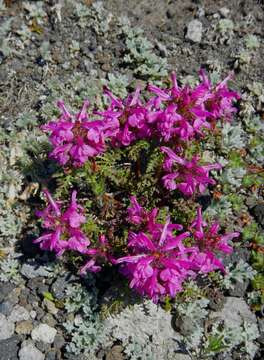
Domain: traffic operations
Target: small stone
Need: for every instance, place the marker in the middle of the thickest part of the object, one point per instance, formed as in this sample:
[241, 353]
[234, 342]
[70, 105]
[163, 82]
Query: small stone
[19, 313]
[6, 328]
[9, 348]
[24, 327]
[115, 353]
[224, 12]
[51, 355]
[50, 306]
[5, 290]
[261, 331]
[29, 352]
[194, 31]
[49, 320]
[6, 307]
[33, 314]
[31, 271]
[258, 212]
[59, 341]
[58, 287]
[44, 333]
[239, 288]
[44, 348]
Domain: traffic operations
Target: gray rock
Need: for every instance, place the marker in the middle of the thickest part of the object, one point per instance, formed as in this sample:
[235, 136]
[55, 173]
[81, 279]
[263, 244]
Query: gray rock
[51, 355]
[58, 287]
[261, 331]
[7, 328]
[30, 271]
[19, 313]
[258, 212]
[29, 352]
[5, 290]
[59, 341]
[9, 348]
[224, 12]
[234, 312]
[194, 31]
[6, 307]
[239, 288]
[44, 333]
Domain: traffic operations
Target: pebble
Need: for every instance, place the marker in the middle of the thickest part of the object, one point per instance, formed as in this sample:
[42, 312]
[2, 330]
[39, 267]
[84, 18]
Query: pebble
[31, 271]
[258, 212]
[50, 306]
[239, 288]
[44, 333]
[19, 313]
[6, 307]
[29, 352]
[51, 355]
[5, 290]
[24, 327]
[58, 287]
[59, 341]
[7, 328]
[194, 31]
[224, 12]
[115, 353]
[9, 348]
[261, 331]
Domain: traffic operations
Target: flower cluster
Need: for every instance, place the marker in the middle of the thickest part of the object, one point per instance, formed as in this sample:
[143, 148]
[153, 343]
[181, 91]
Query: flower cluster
[157, 258]
[159, 261]
[177, 113]
[188, 176]
[62, 227]
[75, 139]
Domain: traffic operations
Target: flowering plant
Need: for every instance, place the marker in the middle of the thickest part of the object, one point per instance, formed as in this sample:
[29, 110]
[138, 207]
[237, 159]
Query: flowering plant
[150, 139]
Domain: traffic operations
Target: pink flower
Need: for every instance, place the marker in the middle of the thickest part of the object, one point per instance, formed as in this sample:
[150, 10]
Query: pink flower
[210, 242]
[129, 116]
[184, 114]
[186, 176]
[220, 101]
[62, 228]
[158, 262]
[75, 139]
[99, 254]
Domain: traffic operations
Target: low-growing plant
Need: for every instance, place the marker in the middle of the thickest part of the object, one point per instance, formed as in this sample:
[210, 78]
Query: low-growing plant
[131, 165]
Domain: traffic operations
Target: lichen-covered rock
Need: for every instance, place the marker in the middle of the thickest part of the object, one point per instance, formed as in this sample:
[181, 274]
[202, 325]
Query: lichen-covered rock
[6, 328]
[194, 31]
[24, 327]
[9, 348]
[44, 333]
[29, 352]
[19, 313]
